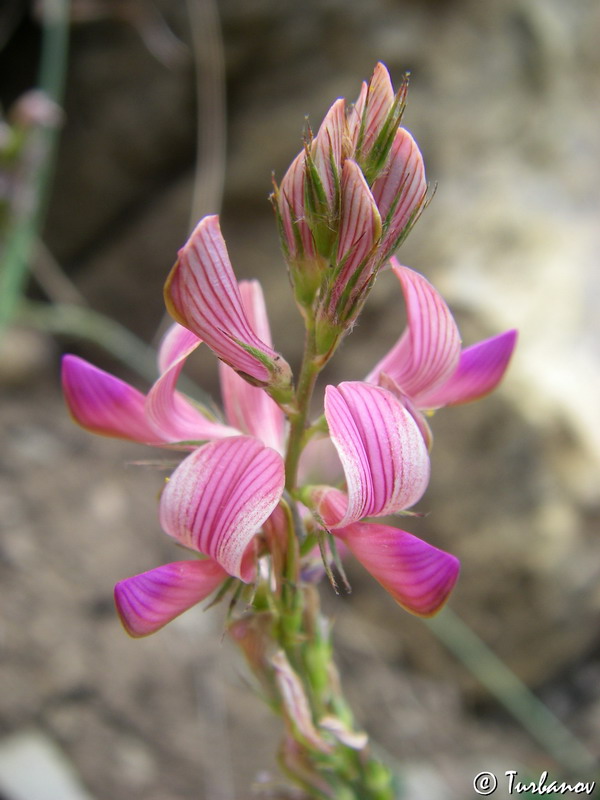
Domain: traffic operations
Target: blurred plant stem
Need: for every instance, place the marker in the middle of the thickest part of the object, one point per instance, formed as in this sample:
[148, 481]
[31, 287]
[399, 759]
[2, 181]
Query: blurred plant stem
[534, 716]
[29, 209]
[211, 126]
[83, 323]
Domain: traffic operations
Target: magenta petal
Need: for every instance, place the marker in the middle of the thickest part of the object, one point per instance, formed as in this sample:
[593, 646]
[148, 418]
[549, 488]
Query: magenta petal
[417, 575]
[202, 294]
[427, 353]
[104, 404]
[248, 407]
[480, 370]
[146, 602]
[218, 498]
[380, 446]
[175, 416]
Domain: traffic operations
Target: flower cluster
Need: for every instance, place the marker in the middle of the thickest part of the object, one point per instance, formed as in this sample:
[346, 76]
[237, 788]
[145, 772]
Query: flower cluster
[347, 202]
[343, 207]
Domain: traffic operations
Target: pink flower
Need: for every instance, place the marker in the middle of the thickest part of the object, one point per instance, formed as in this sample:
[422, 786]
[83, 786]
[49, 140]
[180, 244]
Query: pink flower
[426, 368]
[220, 495]
[386, 465]
[203, 295]
[230, 485]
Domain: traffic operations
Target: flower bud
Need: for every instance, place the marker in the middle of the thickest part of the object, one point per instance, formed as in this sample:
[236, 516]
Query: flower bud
[346, 203]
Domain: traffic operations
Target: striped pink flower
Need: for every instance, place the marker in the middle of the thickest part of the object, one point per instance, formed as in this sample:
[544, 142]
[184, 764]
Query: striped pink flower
[218, 498]
[202, 294]
[426, 368]
[386, 465]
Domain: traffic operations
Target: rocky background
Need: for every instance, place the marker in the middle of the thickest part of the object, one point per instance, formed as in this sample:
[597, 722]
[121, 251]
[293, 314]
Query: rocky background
[504, 103]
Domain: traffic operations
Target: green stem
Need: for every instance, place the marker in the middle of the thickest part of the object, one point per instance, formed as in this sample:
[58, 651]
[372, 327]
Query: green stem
[309, 372]
[29, 218]
[82, 323]
[520, 701]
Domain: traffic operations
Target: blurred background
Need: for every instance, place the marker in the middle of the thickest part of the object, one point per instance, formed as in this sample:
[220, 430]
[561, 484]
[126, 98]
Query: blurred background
[170, 110]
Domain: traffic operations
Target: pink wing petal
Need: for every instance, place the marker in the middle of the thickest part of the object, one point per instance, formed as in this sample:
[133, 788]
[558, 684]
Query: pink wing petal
[417, 575]
[175, 416]
[382, 451]
[218, 498]
[403, 178]
[146, 602]
[480, 370]
[104, 404]
[427, 353]
[202, 294]
[248, 407]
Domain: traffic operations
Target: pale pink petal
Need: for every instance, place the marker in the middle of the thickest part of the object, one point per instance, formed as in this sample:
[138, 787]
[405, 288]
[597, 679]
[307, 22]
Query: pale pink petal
[417, 575]
[427, 353]
[146, 602]
[248, 407]
[177, 344]
[360, 228]
[295, 705]
[480, 370]
[104, 404]
[326, 149]
[290, 199]
[202, 294]
[173, 414]
[374, 106]
[355, 116]
[400, 190]
[218, 498]
[382, 451]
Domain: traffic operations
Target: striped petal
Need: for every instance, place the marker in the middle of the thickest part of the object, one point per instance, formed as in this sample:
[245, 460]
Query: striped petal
[104, 404]
[480, 370]
[146, 602]
[400, 191]
[297, 238]
[218, 498]
[326, 149]
[175, 416]
[371, 109]
[360, 228]
[382, 451]
[417, 575]
[202, 294]
[248, 407]
[427, 353]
